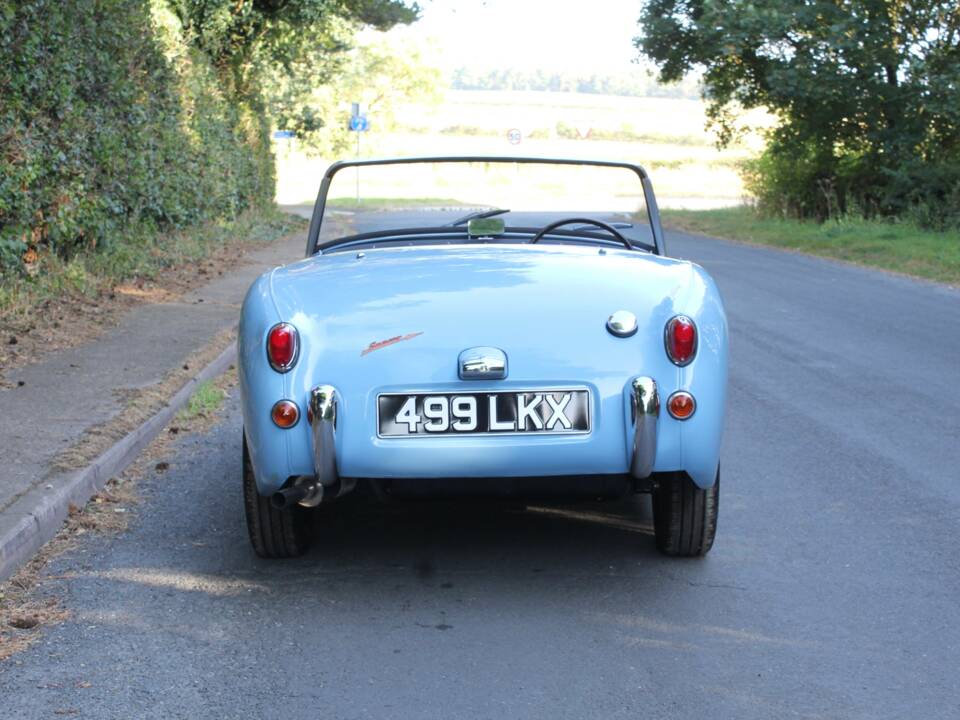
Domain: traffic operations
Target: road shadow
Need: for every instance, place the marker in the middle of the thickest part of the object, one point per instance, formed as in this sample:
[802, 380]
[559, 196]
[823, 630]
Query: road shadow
[194, 541]
[472, 535]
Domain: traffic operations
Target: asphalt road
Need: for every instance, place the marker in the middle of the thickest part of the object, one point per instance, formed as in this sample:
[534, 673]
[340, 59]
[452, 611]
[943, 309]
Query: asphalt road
[832, 590]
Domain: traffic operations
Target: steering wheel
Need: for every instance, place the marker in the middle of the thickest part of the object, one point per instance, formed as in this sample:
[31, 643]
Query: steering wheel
[582, 221]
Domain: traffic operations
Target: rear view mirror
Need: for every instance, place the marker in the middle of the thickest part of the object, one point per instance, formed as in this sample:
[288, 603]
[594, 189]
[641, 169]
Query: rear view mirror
[486, 227]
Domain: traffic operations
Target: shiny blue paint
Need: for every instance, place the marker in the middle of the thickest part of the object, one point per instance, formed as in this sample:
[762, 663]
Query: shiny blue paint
[546, 306]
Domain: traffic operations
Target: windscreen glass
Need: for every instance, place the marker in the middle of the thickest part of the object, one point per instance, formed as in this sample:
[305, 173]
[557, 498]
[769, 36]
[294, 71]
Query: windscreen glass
[436, 194]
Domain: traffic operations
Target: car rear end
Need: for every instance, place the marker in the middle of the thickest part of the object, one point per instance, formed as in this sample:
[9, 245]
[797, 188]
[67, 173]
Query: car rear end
[496, 340]
[385, 343]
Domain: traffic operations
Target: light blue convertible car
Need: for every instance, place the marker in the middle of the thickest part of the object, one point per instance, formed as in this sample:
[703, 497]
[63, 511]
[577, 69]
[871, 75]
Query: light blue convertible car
[488, 325]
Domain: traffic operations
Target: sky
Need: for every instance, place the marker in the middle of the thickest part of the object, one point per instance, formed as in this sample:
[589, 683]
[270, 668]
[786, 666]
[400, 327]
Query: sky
[559, 35]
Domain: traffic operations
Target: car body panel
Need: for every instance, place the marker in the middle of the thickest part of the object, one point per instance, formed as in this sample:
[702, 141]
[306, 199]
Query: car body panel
[396, 319]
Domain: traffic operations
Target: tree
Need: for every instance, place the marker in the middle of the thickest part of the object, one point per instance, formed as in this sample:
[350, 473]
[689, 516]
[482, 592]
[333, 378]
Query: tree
[377, 73]
[867, 93]
[256, 44]
[241, 35]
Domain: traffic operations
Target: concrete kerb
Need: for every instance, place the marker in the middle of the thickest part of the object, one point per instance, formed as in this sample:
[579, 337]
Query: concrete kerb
[43, 511]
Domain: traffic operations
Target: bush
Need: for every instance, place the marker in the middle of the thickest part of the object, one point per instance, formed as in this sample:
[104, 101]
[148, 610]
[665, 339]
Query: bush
[868, 121]
[798, 180]
[109, 122]
[792, 182]
[566, 131]
[927, 194]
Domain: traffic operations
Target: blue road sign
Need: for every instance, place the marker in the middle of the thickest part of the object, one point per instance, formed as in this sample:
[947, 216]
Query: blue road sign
[359, 123]
[283, 134]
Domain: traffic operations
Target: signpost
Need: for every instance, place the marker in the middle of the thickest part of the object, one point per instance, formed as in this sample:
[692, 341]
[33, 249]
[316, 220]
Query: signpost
[283, 139]
[358, 124]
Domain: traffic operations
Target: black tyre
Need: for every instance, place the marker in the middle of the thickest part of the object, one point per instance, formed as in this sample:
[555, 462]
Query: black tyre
[273, 533]
[685, 516]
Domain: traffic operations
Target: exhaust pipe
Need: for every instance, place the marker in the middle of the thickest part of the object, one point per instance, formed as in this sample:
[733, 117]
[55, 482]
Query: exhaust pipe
[306, 492]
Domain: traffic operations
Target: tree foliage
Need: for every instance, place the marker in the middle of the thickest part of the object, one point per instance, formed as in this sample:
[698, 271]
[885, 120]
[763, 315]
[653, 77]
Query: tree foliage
[378, 72]
[867, 93]
[249, 38]
[109, 124]
[283, 57]
[120, 117]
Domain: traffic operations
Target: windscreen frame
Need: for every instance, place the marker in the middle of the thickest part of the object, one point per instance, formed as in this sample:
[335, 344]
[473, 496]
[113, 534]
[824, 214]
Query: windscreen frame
[316, 220]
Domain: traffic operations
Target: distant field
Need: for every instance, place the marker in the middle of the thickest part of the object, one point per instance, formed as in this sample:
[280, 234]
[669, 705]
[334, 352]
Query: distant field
[380, 203]
[665, 135]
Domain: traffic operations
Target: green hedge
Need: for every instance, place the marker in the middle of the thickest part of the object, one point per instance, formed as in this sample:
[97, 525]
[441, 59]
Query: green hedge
[798, 181]
[111, 125]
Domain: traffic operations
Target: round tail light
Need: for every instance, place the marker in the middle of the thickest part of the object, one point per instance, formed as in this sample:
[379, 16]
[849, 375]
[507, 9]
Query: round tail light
[283, 345]
[680, 337]
[681, 405]
[285, 414]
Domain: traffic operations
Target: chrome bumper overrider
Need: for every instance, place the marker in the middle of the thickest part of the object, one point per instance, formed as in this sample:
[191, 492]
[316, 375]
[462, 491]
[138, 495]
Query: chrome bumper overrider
[644, 414]
[323, 418]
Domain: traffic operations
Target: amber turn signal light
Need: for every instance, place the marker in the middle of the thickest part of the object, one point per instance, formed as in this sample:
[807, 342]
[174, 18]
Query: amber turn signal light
[285, 414]
[681, 405]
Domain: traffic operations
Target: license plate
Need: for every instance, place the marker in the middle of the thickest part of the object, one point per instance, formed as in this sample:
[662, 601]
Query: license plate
[535, 412]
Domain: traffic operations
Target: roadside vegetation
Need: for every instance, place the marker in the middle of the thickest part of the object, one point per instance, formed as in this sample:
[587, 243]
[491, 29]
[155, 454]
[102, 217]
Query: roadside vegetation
[133, 132]
[203, 404]
[139, 256]
[115, 128]
[891, 245]
[865, 97]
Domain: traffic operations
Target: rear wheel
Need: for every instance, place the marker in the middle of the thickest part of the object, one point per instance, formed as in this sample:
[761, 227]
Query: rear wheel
[273, 533]
[684, 515]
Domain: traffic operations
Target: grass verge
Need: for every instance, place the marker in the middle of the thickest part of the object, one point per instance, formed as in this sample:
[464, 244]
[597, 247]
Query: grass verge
[142, 403]
[898, 246]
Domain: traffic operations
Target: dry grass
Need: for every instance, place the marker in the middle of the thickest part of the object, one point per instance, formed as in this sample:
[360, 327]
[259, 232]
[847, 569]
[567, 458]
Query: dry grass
[56, 323]
[30, 601]
[140, 405]
[27, 603]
